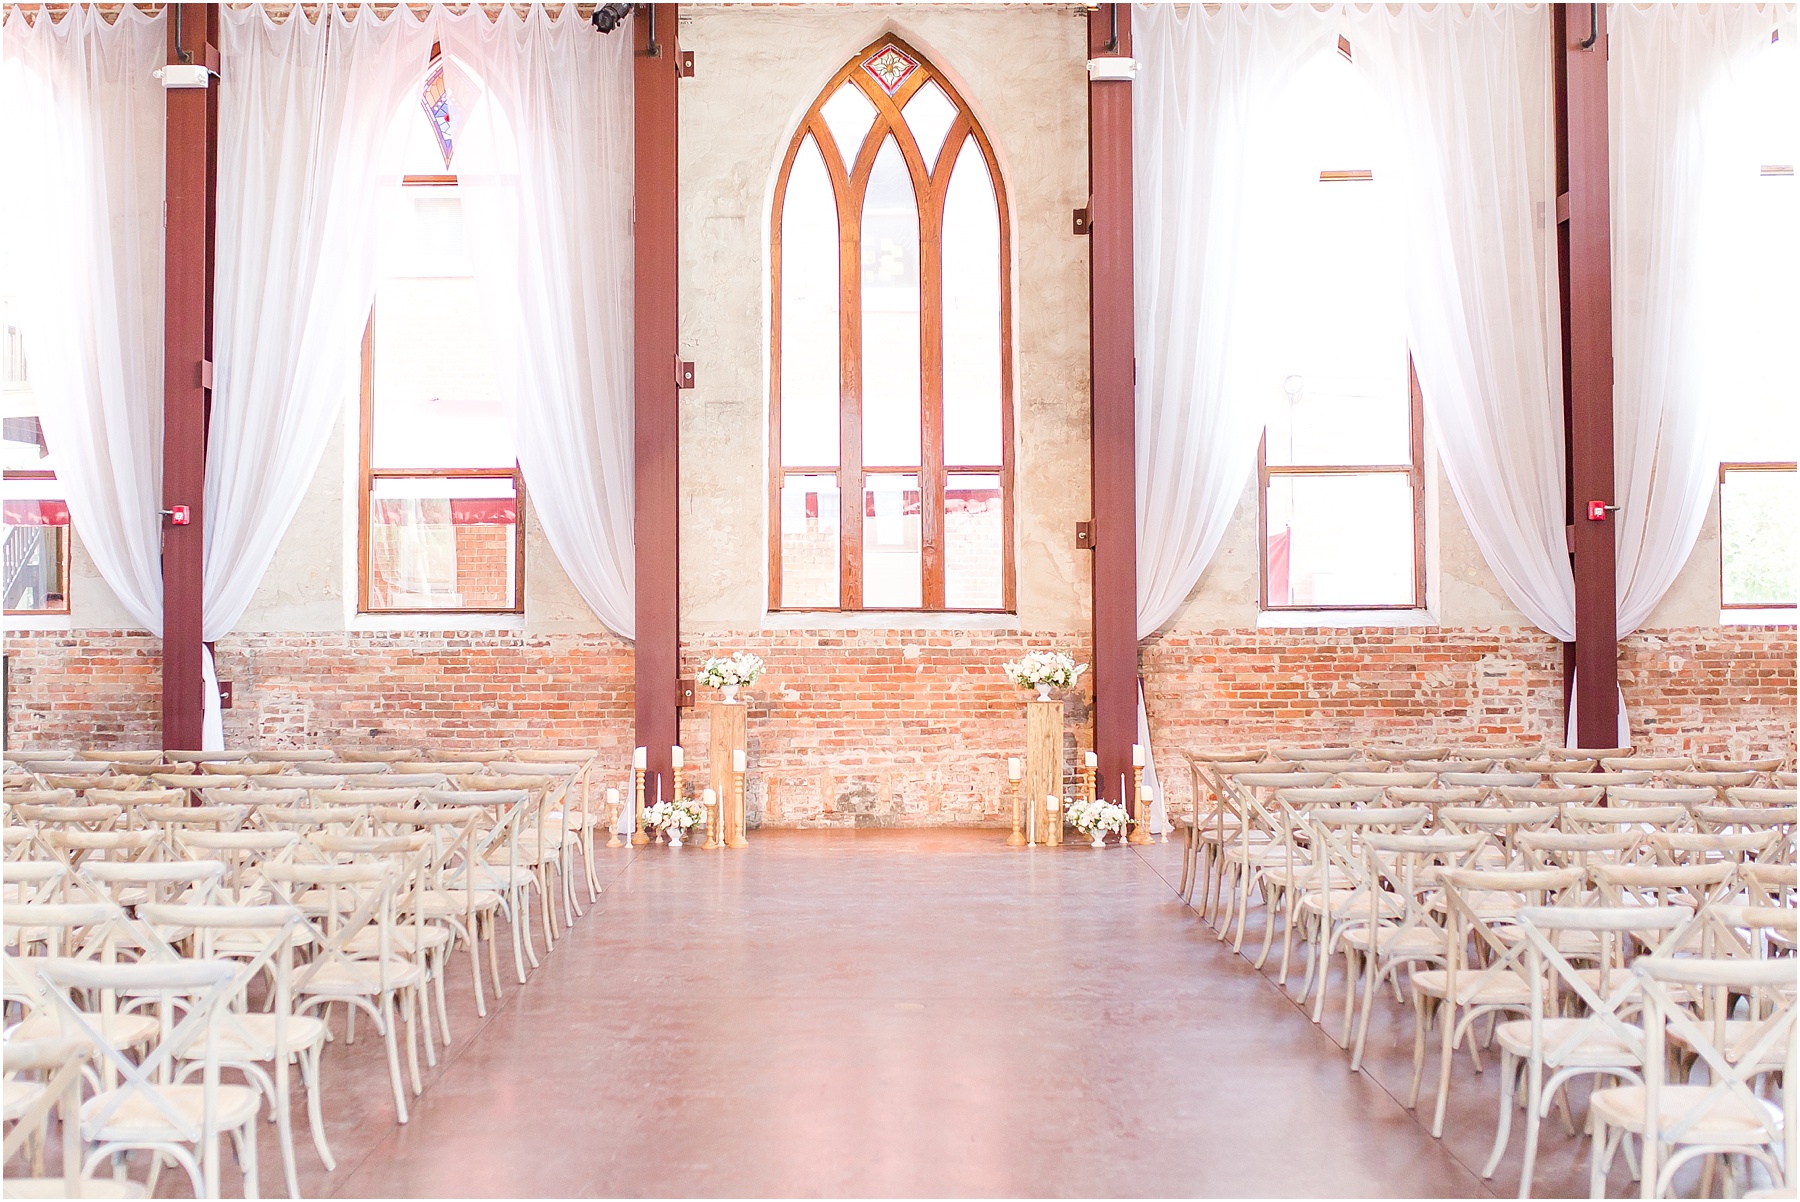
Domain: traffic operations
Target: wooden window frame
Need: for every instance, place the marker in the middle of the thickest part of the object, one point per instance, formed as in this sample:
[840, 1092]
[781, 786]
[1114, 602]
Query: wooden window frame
[1415, 472]
[1773, 465]
[849, 188]
[68, 544]
[370, 474]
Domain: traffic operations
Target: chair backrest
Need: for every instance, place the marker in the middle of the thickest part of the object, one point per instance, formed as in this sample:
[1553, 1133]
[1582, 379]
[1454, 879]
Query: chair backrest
[1641, 795]
[41, 797]
[1587, 818]
[204, 757]
[1402, 755]
[1255, 767]
[1488, 780]
[1592, 753]
[1673, 848]
[1765, 765]
[1644, 763]
[297, 780]
[340, 902]
[1497, 754]
[243, 768]
[355, 768]
[373, 755]
[220, 934]
[222, 818]
[1388, 780]
[1734, 1056]
[1714, 780]
[212, 780]
[1768, 884]
[197, 987]
[1576, 849]
[1724, 818]
[378, 796]
[1744, 796]
[1301, 798]
[1474, 921]
[1550, 767]
[414, 780]
[138, 883]
[293, 755]
[1603, 939]
[1498, 818]
[1660, 885]
[1407, 796]
[1456, 766]
[1577, 780]
[1516, 796]
[1312, 753]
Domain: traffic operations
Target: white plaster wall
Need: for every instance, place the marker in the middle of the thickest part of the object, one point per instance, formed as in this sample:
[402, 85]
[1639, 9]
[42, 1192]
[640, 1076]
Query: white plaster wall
[1022, 69]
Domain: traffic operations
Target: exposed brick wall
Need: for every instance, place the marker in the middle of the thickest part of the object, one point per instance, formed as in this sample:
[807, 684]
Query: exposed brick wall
[93, 688]
[1714, 690]
[881, 728]
[901, 727]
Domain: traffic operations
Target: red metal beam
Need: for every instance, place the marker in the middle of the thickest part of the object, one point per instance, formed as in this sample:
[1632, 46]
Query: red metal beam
[191, 174]
[657, 261]
[1112, 365]
[1584, 244]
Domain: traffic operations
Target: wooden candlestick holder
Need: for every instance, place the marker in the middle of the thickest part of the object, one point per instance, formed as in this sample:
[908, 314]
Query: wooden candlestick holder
[738, 825]
[1138, 833]
[638, 837]
[616, 804]
[1017, 838]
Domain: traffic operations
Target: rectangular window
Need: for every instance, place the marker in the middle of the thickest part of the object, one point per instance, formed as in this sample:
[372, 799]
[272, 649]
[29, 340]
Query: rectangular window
[441, 487]
[1759, 536]
[1343, 492]
[34, 569]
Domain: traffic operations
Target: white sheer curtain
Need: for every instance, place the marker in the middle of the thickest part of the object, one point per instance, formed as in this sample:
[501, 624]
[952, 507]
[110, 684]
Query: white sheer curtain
[307, 143]
[542, 115]
[1679, 210]
[81, 209]
[1203, 78]
[1473, 167]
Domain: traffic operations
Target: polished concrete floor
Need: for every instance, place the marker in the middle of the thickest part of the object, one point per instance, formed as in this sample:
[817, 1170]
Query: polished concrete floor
[899, 1014]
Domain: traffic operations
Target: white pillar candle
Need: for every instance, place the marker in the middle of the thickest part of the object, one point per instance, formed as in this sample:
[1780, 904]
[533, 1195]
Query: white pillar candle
[1053, 802]
[1091, 760]
[1013, 771]
[739, 761]
[1137, 755]
[675, 756]
[640, 758]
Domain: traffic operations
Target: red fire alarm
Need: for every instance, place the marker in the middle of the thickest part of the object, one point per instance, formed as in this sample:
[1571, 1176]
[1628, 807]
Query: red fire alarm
[1597, 510]
[178, 516]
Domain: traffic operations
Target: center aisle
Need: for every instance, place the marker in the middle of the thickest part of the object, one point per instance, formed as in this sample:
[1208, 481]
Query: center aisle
[892, 1013]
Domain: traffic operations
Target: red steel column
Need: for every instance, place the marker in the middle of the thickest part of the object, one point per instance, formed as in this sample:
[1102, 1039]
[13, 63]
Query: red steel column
[657, 261]
[192, 167]
[1584, 245]
[1112, 365]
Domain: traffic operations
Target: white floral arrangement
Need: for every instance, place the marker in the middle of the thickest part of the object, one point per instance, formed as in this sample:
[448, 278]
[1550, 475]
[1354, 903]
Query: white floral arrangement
[1091, 817]
[1057, 669]
[739, 669]
[680, 814]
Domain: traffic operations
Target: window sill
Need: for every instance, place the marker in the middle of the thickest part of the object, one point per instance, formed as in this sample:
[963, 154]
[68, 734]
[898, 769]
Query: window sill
[1781, 616]
[1343, 619]
[39, 623]
[449, 621]
[889, 620]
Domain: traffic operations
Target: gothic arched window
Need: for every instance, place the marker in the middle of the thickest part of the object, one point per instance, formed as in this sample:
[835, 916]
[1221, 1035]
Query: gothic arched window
[891, 374]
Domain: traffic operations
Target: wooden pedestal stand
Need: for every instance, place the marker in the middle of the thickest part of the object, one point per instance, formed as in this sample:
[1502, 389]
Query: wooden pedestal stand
[1043, 768]
[727, 718]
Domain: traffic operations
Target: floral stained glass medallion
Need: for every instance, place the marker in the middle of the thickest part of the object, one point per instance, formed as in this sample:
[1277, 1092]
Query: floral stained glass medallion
[436, 101]
[890, 67]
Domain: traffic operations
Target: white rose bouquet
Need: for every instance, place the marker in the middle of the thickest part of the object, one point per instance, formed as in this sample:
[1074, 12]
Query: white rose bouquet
[732, 672]
[675, 817]
[1096, 818]
[1045, 670]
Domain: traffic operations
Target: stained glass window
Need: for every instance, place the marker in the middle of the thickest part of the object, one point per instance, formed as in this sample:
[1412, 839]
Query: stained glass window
[892, 462]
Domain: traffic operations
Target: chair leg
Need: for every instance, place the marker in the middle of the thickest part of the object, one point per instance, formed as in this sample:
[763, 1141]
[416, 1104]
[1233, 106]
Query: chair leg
[410, 1008]
[1508, 1074]
[493, 937]
[1371, 970]
[1446, 1053]
[1421, 1021]
[443, 1009]
[245, 1139]
[309, 1074]
[386, 1023]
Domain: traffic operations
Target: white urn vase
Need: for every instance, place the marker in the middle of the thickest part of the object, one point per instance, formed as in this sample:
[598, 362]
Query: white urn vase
[1099, 839]
[730, 691]
[1043, 692]
[674, 833]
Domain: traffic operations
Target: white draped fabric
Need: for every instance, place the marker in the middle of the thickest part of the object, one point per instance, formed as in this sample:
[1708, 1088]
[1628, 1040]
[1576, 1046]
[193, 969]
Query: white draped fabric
[81, 209]
[307, 144]
[1202, 80]
[1679, 213]
[1469, 90]
[542, 118]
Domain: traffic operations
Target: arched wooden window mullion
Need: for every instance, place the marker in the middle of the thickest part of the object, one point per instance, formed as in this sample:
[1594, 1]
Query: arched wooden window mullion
[923, 484]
